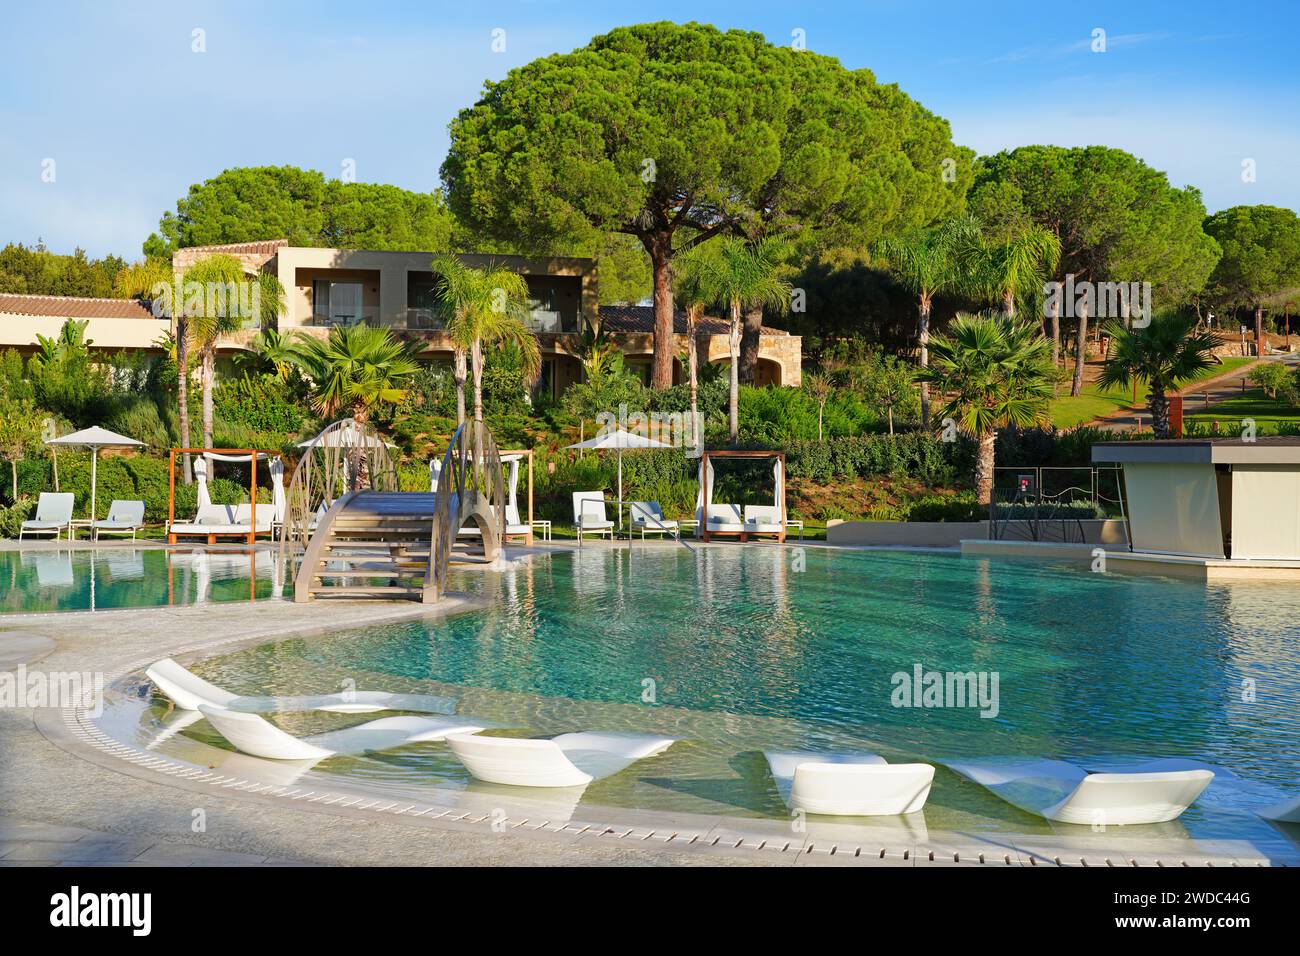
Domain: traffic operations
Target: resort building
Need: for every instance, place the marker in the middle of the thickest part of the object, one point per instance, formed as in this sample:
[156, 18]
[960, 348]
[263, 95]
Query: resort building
[325, 288]
[1222, 506]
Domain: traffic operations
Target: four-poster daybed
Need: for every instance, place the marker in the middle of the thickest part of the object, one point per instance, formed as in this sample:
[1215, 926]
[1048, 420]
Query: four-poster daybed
[729, 520]
[515, 528]
[213, 521]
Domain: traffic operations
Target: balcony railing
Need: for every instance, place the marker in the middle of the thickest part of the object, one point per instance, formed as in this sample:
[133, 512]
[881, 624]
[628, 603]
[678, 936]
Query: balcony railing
[365, 315]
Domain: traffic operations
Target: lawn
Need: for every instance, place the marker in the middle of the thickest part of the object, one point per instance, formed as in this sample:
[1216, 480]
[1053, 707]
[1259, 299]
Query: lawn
[1067, 411]
[1267, 414]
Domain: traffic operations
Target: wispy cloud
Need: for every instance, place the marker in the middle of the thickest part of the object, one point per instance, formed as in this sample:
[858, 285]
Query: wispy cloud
[1085, 45]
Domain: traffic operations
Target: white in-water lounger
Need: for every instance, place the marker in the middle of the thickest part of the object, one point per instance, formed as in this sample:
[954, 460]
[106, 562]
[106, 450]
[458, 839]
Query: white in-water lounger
[188, 691]
[854, 785]
[1066, 793]
[259, 737]
[569, 760]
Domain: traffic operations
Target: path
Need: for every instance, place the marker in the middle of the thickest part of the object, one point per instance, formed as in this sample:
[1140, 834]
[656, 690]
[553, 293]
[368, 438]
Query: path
[1197, 397]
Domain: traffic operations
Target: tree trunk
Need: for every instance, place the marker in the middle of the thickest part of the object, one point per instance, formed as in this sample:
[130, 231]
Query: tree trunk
[1259, 329]
[1054, 322]
[750, 339]
[820, 410]
[13, 468]
[1009, 303]
[660, 248]
[984, 470]
[209, 376]
[733, 339]
[1080, 351]
[1159, 405]
[183, 391]
[458, 374]
[923, 339]
[476, 365]
[889, 412]
[693, 368]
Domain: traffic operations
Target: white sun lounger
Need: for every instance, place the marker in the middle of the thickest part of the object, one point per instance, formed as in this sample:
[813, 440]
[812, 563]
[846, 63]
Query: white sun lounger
[1066, 793]
[259, 737]
[569, 760]
[589, 514]
[855, 785]
[648, 518]
[188, 691]
[123, 517]
[53, 515]
[724, 519]
[1288, 811]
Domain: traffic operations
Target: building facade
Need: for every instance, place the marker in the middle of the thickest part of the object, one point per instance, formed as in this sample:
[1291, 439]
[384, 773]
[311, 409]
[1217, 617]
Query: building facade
[327, 288]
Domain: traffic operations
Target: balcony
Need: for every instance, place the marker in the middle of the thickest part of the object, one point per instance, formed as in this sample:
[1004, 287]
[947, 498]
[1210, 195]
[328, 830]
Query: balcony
[339, 318]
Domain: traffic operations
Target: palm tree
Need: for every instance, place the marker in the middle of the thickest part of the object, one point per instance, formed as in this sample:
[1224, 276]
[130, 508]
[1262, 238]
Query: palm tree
[1163, 354]
[485, 307]
[278, 351]
[742, 275]
[1009, 270]
[153, 279]
[690, 286]
[820, 388]
[357, 368]
[995, 372]
[929, 262]
[211, 303]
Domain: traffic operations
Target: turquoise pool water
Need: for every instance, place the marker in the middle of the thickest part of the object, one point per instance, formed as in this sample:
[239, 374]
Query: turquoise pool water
[105, 578]
[741, 649]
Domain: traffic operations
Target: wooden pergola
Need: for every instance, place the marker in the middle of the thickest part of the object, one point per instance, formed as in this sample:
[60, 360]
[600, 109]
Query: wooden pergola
[707, 491]
[253, 455]
[528, 454]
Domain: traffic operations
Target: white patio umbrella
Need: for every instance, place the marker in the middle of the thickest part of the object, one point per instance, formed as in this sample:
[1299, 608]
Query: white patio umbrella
[95, 438]
[617, 440]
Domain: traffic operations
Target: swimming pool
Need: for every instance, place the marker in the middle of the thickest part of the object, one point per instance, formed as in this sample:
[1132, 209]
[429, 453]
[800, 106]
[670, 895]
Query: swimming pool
[741, 649]
[86, 579]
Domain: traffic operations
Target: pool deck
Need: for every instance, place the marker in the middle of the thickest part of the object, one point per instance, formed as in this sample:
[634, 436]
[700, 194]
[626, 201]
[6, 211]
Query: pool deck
[71, 794]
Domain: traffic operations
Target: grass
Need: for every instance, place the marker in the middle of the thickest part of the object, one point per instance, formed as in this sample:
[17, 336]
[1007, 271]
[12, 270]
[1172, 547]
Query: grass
[1068, 411]
[1267, 414]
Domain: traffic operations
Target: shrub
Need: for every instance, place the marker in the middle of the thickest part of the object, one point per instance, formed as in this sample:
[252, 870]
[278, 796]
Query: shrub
[12, 517]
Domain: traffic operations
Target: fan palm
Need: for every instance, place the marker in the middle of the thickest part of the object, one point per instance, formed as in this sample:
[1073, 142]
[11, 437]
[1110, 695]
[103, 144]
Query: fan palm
[741, 275]
[994, 372]
[484, 307]
[929, 262]
[357, 368]
[1163, 354]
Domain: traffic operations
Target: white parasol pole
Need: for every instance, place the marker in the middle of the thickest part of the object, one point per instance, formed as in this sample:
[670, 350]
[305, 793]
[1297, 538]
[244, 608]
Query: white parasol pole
[94, 478]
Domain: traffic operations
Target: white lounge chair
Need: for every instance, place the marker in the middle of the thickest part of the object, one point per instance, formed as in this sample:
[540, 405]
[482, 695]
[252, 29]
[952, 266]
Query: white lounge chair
[213, 521]
[569, 760]
[257, 736]
[1288, 811]
[123, 516]
[589, 514]
[764, 519]
[648, 518]
[724, 519]
[53, 515]
[188, 691]
[849, 785]
[1066, 793]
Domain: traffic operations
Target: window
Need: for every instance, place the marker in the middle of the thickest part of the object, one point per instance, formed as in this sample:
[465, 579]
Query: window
[336, 303]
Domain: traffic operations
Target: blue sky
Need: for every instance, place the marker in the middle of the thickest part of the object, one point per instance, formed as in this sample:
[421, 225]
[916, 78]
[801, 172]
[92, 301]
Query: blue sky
[131, 116]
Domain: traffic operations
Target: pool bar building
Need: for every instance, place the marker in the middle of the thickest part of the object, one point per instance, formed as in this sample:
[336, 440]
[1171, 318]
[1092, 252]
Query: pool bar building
[1218, 507]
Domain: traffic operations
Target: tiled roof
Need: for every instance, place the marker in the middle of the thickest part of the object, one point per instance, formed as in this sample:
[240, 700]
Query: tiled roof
[641, 318]
[73, 307]
[263, 247]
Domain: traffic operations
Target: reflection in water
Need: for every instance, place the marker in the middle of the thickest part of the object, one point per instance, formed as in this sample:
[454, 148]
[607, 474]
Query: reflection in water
[88, 579]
